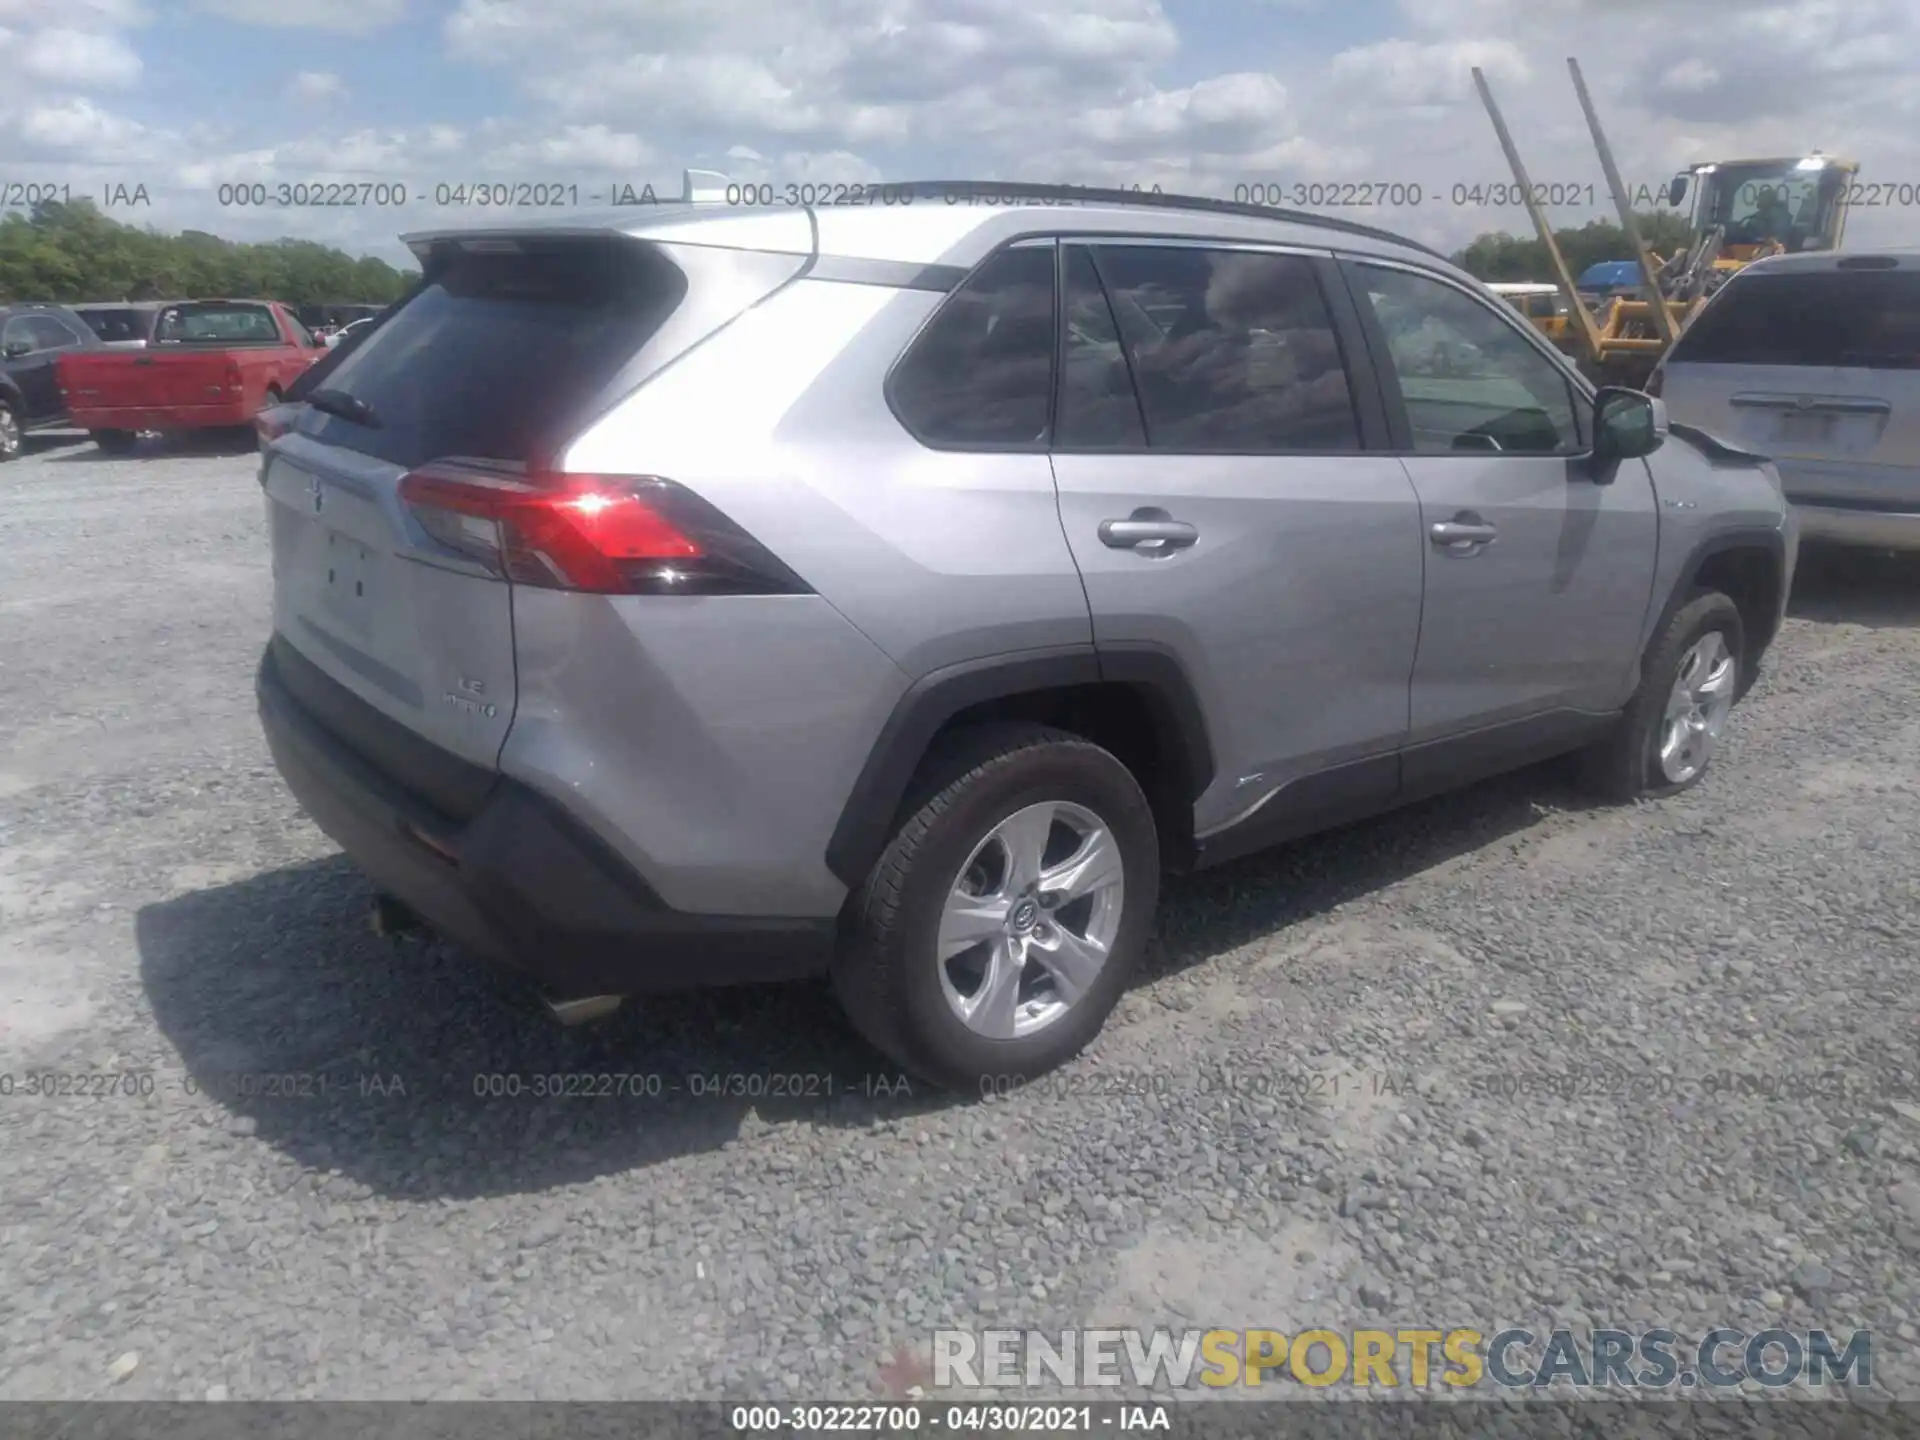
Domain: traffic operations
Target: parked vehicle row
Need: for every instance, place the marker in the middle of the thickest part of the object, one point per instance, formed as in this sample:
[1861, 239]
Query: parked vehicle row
[208, 364]
[116, 370]
[704, 599]
[33, 338]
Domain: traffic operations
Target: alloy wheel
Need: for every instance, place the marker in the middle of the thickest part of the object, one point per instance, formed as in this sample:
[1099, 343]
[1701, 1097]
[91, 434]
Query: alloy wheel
[1030, 920]
[1697, 708]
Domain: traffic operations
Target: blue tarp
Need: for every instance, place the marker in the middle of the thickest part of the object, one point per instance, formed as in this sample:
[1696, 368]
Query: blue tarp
[1611, 275]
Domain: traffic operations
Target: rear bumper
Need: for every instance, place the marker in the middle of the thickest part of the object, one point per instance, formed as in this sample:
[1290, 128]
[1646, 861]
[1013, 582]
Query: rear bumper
[227, 414]
[521, 883]
[1879, 529]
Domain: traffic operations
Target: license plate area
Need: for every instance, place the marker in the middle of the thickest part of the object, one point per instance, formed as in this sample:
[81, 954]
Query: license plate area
[1804, 428]
[347, 580]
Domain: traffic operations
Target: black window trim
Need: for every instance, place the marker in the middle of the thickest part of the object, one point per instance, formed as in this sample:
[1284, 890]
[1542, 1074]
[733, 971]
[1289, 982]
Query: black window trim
[1387, 379]
[1370, 424]
[1042, 446]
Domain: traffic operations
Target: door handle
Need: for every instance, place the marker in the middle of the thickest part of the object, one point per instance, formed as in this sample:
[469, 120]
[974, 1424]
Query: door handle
[1462, 536]
[1148, 534]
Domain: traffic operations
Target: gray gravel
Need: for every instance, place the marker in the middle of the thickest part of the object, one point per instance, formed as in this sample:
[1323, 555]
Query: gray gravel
[1296, 1119]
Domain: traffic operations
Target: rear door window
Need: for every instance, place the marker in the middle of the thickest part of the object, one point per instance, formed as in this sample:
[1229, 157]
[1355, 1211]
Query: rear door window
[499, 353]
[1828, 318]
[980, 375]
[1231, 351]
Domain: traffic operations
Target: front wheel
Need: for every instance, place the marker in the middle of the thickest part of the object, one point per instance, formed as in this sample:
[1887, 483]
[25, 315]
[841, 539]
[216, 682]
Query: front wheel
[9, 433]
[999, 929]
[1688, 685]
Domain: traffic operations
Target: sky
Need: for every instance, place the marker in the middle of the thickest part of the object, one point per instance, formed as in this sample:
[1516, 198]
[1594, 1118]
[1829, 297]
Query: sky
[153, 106]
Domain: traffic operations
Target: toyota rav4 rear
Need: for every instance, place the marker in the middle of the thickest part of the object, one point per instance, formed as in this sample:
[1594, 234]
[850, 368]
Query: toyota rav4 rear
[481, 648]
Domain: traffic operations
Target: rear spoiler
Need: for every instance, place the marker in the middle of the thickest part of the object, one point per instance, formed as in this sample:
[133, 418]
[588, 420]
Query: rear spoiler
[1714, 447]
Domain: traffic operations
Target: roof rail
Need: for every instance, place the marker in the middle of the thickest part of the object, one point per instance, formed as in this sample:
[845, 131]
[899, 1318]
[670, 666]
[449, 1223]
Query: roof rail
[956, 190]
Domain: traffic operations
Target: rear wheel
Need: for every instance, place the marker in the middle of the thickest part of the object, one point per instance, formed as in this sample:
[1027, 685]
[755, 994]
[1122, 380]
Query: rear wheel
[9, 432]
[114, 442]
[1672, 727]
[999, 929]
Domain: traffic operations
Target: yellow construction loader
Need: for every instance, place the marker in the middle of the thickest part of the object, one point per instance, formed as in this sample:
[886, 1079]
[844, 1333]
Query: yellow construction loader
[1741, 211]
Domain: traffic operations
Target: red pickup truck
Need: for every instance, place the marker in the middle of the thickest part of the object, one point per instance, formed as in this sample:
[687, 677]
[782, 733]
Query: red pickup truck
[211, 364]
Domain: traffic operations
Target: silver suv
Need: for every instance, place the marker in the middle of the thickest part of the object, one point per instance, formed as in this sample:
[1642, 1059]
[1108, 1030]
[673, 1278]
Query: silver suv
[695, 595]
[1815, 360]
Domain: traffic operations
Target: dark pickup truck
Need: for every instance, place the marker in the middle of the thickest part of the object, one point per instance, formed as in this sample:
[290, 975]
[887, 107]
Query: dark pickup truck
[209, 364]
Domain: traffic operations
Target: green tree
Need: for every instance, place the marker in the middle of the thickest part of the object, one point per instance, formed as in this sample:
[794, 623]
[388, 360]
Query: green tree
[1497, 256]
[72, 252]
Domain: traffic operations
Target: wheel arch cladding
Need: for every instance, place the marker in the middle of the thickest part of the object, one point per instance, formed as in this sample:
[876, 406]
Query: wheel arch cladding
[1136, 701]
[1749, 568]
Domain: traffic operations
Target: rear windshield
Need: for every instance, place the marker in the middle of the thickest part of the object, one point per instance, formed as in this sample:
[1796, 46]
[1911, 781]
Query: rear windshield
[1866, 319]
[114, 325]
[216, 323]
[497, 354]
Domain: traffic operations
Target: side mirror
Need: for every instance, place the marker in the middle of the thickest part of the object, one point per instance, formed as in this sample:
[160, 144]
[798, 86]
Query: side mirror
[17, 348]
[1627, 424]
[1676, 191]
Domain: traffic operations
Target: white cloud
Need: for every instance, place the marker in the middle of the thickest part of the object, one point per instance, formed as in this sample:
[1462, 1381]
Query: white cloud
[1690, 76]
[73, 14]
[79, 125]
[575, 147]
[1227, 102]
[1404, 73]
[344, 17]
[79, 59]
[315, 85]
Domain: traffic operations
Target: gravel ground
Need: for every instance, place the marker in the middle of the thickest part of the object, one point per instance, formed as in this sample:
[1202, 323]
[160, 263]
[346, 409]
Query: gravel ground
[1297, 1118]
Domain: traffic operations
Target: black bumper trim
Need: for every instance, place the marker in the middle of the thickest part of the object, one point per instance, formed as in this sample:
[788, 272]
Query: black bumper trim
[526, 886]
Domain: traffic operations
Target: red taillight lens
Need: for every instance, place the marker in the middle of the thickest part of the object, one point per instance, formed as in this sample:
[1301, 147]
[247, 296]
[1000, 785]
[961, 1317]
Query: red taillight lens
[233, 376]
[611, 535]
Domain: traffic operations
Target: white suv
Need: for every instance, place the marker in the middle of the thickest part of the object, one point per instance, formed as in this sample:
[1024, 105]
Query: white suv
[1815, 361]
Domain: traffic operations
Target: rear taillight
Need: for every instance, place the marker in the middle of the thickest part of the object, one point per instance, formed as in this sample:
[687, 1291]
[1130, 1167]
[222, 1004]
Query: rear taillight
[233, 375]
[610, 535]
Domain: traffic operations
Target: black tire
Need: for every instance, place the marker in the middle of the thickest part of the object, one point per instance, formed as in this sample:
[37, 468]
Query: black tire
[1626, 764]
[885, 974]
[114, 442]
[10, 431]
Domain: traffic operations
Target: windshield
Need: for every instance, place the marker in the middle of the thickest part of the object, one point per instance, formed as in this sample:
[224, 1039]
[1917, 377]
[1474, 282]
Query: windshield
[1760, 204]
[216, 323]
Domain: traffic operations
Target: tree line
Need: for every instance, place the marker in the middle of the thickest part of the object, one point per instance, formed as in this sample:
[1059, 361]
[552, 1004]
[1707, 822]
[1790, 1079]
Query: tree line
[71, 252]
[68, 250]
[1501, 257]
